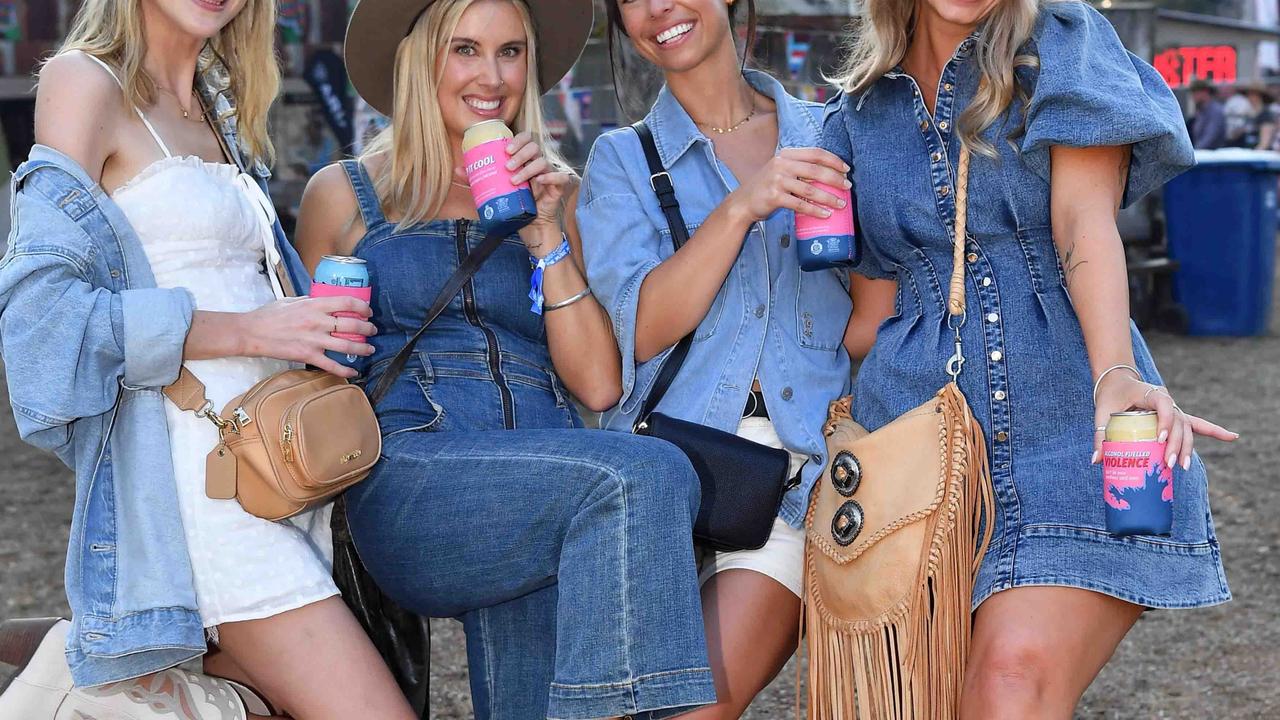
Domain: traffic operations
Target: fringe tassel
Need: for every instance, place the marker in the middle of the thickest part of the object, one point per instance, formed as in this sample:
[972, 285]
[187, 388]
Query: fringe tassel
[911, 667]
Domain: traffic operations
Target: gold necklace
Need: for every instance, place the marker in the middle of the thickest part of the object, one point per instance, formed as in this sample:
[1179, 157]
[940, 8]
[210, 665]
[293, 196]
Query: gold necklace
[185, 115]
[735, 126]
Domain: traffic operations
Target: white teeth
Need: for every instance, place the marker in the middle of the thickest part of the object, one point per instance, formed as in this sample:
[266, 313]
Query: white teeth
[483, 104]
[670, 34]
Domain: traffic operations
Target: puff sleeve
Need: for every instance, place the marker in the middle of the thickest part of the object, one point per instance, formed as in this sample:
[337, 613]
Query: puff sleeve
[1090, 91]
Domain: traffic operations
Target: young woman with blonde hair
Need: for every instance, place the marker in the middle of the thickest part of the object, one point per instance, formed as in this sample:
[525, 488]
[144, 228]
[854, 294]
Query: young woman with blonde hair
[566, 553]
[142, 245]
[1065, 127]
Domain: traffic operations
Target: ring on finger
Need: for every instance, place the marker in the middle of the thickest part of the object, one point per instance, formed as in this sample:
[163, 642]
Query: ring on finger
[1100, 428]
[335, 326]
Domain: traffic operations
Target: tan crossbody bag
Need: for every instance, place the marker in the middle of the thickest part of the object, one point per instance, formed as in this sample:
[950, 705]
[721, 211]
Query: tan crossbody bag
[896, 530]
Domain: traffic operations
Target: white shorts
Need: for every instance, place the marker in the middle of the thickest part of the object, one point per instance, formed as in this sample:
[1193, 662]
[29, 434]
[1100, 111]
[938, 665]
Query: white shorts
[782, 557]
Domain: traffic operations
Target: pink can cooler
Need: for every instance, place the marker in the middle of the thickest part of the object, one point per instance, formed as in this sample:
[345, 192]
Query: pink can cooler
[360, 293]
[484, 158]
[823, 243]
[1137, 485]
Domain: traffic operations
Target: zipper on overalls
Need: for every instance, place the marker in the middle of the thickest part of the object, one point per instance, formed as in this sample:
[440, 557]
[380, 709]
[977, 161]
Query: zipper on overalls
[491, 340]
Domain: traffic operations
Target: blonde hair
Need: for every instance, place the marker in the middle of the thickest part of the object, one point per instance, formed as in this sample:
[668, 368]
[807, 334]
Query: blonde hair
[239, 61]
[413, 179]
[881, 34]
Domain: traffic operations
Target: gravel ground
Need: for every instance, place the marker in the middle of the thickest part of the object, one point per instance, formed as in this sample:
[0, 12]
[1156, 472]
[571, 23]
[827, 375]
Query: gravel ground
[1221, 662]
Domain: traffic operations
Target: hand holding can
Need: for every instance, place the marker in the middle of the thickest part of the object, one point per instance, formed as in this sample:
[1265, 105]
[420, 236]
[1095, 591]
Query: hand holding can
[829, 242]
[484, 157]
[338, 275]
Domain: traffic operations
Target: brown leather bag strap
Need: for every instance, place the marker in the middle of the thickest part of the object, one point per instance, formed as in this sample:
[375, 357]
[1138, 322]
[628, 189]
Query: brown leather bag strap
[955, 302]
[187, 392]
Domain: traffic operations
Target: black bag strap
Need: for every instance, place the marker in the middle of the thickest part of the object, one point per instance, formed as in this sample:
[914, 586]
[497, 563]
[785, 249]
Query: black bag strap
[660, 181]
[468, 267]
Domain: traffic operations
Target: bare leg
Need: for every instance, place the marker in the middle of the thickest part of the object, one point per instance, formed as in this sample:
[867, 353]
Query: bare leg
[751, 621]
[295, 658]
[1036, 650]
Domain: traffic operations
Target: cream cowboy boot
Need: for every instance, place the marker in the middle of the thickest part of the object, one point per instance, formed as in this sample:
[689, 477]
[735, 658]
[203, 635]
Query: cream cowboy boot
[41, 688]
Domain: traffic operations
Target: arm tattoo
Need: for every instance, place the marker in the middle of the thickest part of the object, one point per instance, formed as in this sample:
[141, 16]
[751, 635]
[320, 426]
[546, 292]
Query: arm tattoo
[1068, 265]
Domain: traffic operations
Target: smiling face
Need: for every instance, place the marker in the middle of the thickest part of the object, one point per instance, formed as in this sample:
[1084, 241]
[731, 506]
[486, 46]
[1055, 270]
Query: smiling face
[198, 18]
[486, 67]
[677, 35]
[962, 14]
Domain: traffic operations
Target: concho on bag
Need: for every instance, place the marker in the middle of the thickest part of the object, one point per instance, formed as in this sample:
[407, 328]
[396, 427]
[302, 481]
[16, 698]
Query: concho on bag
[895, 533]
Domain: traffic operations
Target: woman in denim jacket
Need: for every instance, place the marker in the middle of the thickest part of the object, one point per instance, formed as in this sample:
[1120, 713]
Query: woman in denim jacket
[89, 340]
[1065, 127]
[566, 553]
[769, 346]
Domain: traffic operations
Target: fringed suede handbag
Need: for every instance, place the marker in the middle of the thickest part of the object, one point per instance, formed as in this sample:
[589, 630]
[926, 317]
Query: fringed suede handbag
[895, 533]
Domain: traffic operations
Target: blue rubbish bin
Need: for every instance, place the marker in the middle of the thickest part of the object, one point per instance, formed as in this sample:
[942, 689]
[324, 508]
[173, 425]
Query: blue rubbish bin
[1221, 222]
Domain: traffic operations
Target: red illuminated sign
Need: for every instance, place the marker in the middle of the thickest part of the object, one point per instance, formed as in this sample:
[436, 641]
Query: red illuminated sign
[1212, 63]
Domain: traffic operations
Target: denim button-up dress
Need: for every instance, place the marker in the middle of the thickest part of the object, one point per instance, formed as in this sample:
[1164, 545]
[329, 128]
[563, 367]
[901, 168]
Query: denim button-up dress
[1027, 377]
[769, 321]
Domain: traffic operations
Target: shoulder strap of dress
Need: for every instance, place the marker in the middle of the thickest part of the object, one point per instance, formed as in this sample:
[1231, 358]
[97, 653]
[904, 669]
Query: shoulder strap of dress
[163, 148]
[366, 195]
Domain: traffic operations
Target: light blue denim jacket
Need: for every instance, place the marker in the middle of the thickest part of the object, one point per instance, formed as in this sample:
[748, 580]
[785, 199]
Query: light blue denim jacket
[88, 341]
[769, 321]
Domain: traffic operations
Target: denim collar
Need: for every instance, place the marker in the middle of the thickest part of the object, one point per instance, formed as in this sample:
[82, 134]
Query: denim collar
[674, 131]
[962, 52]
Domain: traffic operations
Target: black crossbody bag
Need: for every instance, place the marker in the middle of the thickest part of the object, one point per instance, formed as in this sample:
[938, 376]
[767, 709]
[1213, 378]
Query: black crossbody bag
[742, 481]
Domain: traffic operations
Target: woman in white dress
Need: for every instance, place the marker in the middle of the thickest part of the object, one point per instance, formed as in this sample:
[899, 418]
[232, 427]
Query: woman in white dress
[263, 589]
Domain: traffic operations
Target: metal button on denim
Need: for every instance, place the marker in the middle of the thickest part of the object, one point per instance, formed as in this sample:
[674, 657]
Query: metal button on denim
[924, 124]
[936, 157]
[115, 273]
[992, 317]
[786, 240]
[948, 87]
[943, 125]
[972, 257]
[986, 282]
[945, 190]
[996, 355]
[1002, 436]
[759, 311]
[786, 393]
[999, 395]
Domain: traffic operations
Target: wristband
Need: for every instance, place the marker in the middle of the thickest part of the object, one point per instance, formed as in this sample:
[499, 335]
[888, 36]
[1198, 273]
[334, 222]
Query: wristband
[539, 266]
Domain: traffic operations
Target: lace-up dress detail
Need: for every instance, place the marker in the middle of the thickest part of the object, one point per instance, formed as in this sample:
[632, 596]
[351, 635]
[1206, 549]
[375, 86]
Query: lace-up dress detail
[205, 229]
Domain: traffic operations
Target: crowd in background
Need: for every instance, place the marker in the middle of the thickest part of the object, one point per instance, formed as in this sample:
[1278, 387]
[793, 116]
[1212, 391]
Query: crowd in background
[1246, 119]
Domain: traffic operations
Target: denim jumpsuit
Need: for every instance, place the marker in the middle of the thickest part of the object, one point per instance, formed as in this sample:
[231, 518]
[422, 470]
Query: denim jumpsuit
[1027, 377]
[566, 553]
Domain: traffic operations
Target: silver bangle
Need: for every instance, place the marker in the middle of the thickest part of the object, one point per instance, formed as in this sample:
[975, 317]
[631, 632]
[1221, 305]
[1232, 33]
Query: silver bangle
[1108, 371]
[567, 301]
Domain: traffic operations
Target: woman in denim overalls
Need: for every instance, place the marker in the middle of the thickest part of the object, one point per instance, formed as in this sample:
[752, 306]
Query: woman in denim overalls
[566, 553]
[1079, 129]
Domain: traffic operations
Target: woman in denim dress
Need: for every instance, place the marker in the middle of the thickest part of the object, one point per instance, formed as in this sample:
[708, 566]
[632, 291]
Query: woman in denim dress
[1066, 127]
[565, 552]
[768, 353]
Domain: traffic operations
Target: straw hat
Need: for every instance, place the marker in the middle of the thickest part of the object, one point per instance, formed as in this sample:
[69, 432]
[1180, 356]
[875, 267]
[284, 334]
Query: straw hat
[378, 26]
